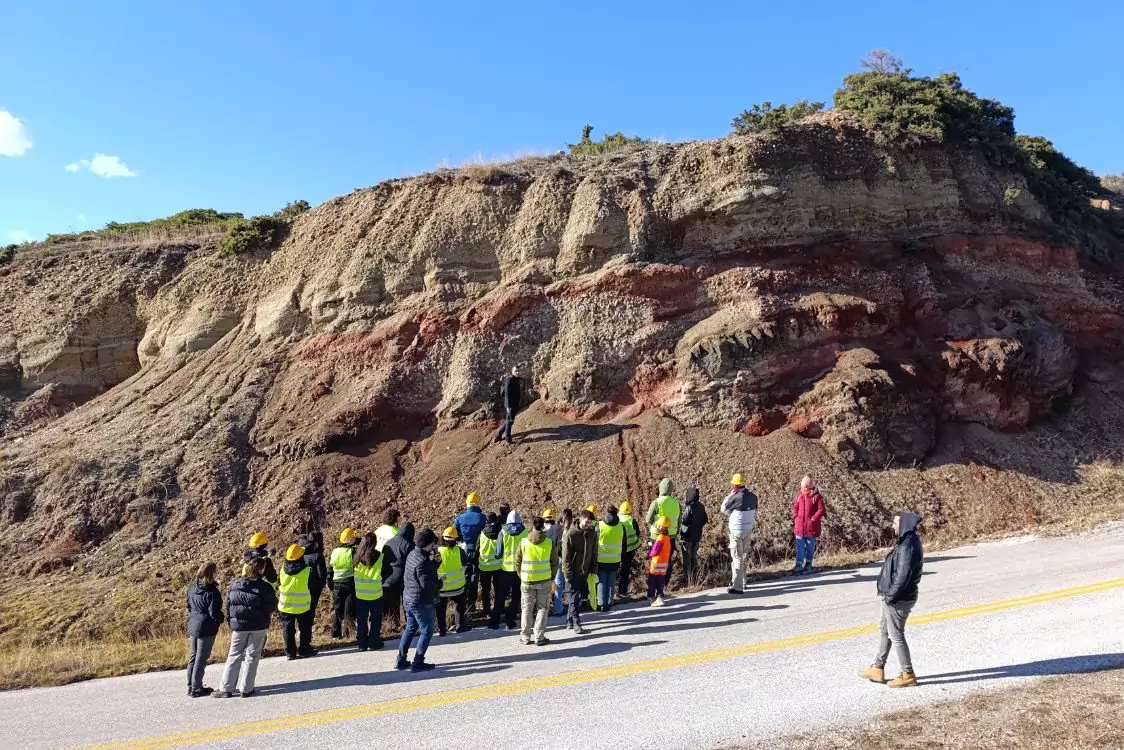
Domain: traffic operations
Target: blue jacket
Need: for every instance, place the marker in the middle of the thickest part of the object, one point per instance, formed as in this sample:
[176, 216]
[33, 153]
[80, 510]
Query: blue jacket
[469, 525]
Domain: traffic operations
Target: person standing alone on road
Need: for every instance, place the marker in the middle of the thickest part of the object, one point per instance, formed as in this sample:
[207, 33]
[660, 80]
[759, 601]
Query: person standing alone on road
[579, 560]
[537, 562]
[740, 506]
[341, 574]
[897, 586]
[422, 586]
[249, 605]
[691, 528]
[204, 615]
[807, 511]
[511, 398]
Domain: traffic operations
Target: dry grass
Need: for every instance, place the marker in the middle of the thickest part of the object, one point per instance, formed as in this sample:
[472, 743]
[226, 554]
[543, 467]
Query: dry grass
[1070, 712]
[127, 240]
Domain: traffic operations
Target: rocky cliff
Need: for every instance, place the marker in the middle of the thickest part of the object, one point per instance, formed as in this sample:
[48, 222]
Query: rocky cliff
[891, 320]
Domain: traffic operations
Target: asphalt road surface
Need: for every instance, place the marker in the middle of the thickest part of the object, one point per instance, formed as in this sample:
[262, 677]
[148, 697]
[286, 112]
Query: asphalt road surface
[706, 671]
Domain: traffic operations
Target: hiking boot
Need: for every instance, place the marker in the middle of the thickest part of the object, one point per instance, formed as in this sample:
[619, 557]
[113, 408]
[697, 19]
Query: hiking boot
[375, 645]
[799, 567]
[421, 665]
[807, 570]
[874, 674]
[733, 591]
[249, 694]
[222, 694]
[200, 692]
[401, 663]
[906, 679]
[542, 641]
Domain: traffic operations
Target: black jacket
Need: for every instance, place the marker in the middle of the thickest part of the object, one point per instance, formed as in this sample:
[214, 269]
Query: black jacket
[249, 604]
[204, 610]
[394, 555]
[314, 559]
[511, 392]
[422, 585]
[261, 553]
[901, 571]
[694, 518]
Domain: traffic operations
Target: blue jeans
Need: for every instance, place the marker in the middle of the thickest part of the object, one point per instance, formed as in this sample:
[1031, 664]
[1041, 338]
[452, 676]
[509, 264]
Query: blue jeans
[805, 550]
[420, 619]
[368, 622]
[505, 429]
[606, 587]
[559, 587]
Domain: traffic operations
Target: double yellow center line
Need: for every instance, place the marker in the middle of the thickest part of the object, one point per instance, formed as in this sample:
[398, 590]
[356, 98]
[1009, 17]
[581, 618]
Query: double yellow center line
[504, 689]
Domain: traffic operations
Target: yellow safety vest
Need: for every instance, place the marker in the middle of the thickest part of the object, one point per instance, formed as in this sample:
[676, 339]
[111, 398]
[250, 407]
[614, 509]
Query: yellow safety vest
[666, 505]
[294, 598]
[536, 560]
[342, 565]
[487, 551]
[610, 542]
[510, 544]
[631, 538]
[450, 571]
[368, 580]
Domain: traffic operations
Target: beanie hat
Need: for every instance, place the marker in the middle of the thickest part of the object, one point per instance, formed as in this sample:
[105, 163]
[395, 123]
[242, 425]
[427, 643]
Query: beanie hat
[426, 537]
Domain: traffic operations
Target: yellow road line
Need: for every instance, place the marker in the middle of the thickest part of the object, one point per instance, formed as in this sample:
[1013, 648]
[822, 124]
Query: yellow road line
[504, 689]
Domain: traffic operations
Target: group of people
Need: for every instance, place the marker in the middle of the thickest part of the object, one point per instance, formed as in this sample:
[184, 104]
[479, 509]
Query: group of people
[519, 575]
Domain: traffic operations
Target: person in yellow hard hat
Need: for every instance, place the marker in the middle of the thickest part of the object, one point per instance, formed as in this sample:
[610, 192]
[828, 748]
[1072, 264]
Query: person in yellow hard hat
[469, 524]
[658, 559]
[294, 602]
[258, 549]
[553, 530]
[451, 569]
[341, 577]
[740, 506]
[631, 545]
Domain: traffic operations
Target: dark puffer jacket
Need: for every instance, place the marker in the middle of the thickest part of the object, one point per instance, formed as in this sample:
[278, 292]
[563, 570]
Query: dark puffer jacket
[422, 583]
[394, 555]
[249, 604]
[694, 518]
[204, 610]
[901, 571]
[314, 558]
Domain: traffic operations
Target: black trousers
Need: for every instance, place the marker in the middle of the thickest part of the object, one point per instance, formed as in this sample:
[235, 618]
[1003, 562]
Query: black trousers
[472, 578]
[459, 602]
[489, 587]
[691, 561]
[392, 606]
[624, 578]
[290, 625]
[508, 587]
[671, 563]
[343, 595]
[579, 594]
[315, 594]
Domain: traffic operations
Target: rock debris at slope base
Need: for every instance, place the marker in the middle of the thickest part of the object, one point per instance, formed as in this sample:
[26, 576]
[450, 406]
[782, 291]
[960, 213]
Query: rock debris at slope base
[682, 309]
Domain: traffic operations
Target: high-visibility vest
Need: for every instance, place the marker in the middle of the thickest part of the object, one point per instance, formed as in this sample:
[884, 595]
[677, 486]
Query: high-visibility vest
[488, 560]
[667, 505]
[536, 560]
[294, 598]
[342, 563]
[631, 537]
[591, 583]
[368, 580]
[610, 542]
[510, 544]
[450, 571]
[384, 534]
[657, 565]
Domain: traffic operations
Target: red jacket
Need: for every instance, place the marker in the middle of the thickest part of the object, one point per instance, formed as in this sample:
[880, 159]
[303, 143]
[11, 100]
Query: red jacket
[807, 510]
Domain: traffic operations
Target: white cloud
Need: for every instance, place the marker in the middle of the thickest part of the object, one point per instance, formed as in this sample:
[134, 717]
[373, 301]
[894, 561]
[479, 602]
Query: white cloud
[103, 165]
[14, 140]
[81, 218]
[19, 236]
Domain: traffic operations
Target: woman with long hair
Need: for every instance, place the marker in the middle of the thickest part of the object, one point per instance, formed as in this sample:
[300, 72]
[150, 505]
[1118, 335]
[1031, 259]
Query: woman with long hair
[368, 594]
[204, 615]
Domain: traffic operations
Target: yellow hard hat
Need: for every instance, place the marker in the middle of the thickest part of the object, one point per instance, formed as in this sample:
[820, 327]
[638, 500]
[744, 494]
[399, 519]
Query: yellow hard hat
[258, 540]
[591, 508]
[450, 533]
[348, 535]
[548, 513]
[294, 553]
[472, 499]
[663, 522]
[737, 480]
[626, 507]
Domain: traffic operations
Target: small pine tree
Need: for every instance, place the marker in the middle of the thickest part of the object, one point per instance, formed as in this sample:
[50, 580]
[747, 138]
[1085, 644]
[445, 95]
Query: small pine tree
[764, 117]
[612, 142]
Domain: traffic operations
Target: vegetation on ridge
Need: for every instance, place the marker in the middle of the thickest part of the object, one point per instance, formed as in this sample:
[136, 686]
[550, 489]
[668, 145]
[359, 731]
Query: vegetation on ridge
[611, 142]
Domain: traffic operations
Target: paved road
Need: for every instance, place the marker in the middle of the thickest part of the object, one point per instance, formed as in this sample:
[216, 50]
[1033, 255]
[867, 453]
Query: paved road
[708, 670]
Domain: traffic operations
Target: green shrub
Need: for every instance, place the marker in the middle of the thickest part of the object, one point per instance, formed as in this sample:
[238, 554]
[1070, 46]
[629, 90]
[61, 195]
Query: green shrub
[8, 254]
[193, 220]
[292, 210]
[1054, 177]
[1011, 194]
[765, 117]
[588, 147]
[252, 235]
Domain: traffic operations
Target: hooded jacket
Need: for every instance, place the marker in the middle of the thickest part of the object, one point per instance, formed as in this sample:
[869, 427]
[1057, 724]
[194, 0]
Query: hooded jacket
[394, 555]
[901, 570]
[579, 552]
[314, 558]
[609, 519]
[420, 579]
[694, 518]
[249, 604]
[807, 511]
[469, 524]
[536, 537]
[741, 507]
[204, 610]
[513, 527]
[667, 489]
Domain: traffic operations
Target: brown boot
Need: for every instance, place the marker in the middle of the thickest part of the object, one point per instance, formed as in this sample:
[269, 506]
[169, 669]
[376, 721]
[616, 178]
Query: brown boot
[906, 679]
[874, 674]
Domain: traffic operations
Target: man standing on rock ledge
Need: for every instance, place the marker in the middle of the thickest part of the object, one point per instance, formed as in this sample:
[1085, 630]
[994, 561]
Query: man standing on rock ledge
[511, 398]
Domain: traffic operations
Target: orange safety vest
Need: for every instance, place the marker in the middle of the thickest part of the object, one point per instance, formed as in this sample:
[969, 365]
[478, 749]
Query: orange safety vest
[657, 565]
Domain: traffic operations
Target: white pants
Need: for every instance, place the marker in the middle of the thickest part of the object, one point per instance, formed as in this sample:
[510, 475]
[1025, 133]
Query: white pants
[245, 645]
[739, 557]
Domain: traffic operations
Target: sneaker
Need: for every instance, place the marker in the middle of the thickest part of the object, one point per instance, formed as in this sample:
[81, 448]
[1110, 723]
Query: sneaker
[542, 641]
[361, 648]
[401, 663]
[421, 666]
[249, 694]
[734, 591]
[464, 628]
[807, 570]
[570, 625]
[442, 633]
[658, 602]
[308, 652]
[375, 645]
[579, 630]
[293, 657]
[525, 641]
[222, 694]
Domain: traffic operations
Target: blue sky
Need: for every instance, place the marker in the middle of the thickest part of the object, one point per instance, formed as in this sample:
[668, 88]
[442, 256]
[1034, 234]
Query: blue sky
[243, 106]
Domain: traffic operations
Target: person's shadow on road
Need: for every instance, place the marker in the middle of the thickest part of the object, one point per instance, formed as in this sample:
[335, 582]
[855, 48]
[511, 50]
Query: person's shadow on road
[1064, 665]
